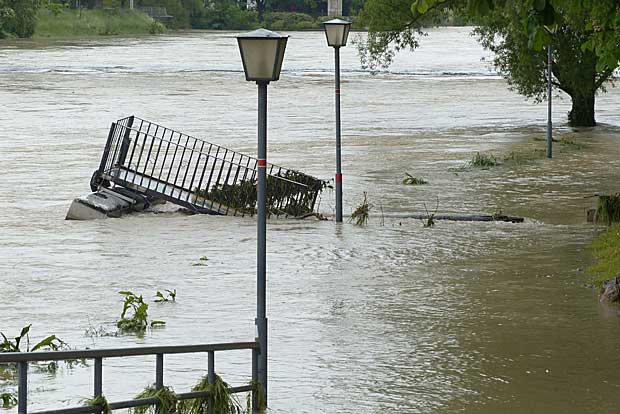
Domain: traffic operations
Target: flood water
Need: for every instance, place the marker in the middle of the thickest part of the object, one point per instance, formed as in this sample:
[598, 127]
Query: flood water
[390, 318]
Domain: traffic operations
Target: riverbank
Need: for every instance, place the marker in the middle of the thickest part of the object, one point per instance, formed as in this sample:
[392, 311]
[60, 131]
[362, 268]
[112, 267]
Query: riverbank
[81, 23]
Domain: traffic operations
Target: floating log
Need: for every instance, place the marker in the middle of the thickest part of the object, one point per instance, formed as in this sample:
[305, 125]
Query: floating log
[473, 217]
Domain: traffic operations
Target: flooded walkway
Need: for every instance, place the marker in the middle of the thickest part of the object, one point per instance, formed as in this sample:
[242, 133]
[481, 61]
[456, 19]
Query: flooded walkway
[463, 317]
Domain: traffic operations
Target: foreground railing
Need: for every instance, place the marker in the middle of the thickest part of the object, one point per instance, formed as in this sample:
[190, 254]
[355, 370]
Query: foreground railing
[22, 359]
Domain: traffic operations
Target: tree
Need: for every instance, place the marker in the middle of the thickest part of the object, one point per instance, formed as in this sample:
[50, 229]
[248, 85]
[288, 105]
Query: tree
[574, 69]
[585, 35]
[18, 17]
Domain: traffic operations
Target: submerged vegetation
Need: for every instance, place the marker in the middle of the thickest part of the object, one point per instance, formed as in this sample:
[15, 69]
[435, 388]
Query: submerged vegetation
[290, 193]
[483, 160]
[361, 213]
[101, 402]
[170, 296]
[411, 180]
[606, 251]
[608, 209]
[52, 342]
[168, 401]
[134, 316]
[224, 401]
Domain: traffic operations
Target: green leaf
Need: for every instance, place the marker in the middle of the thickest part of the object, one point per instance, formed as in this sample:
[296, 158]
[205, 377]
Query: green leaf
[540, 5]
[422, 6]
[46, 342]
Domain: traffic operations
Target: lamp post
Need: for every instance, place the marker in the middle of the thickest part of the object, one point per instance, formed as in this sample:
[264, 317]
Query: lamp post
[337, 32]
[549, 112]
[551, 31]
[262, 53]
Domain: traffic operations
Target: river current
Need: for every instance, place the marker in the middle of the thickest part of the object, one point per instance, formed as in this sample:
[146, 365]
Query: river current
[389, 318]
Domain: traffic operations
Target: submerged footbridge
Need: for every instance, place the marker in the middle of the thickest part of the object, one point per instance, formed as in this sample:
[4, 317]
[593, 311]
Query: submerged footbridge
[158, 163]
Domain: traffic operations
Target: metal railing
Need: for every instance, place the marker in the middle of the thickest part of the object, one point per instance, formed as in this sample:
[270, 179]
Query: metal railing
[22, 359]
[204, 177]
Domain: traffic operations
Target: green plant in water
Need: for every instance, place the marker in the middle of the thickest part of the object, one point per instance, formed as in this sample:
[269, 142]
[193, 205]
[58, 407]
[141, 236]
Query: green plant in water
[134, 316]
[51, 342]
[430, 217]
[170, 296]
[168, 401]
[606, 251]
[484, 161]
[224, 402]
[361, 213]
[608, 209]
[411, 180]
[7, 400]
[101, 402]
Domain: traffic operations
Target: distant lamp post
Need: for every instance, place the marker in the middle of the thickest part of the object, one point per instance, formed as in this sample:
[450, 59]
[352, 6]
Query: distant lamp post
[551, 32]
[262, 53]
[337, 32]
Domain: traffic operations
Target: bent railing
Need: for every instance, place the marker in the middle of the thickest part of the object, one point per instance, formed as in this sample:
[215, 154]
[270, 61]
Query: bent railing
[22, 359]
[204, 177]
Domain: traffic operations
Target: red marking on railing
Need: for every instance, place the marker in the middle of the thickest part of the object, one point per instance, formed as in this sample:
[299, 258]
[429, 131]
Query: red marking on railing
[262, 163]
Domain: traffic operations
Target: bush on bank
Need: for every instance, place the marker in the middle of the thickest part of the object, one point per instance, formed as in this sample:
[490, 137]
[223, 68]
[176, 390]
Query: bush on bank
[606, 251]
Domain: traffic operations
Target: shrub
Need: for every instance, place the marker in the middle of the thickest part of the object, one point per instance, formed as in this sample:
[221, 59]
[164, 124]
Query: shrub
[606, 251]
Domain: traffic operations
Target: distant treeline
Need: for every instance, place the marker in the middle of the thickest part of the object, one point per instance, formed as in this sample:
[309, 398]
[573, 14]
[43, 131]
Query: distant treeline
[69, 18]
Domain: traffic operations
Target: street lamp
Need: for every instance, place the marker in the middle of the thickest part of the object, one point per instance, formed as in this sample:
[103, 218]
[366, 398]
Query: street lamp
[551, 32]
[337, 32]
[262, 53]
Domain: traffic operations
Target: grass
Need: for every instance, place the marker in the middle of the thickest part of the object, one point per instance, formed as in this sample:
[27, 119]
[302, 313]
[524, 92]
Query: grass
[101, 402]
[167, 401]
[484, 161]
[523, 157]
[102, 22]
[224, 402]
[606, 251]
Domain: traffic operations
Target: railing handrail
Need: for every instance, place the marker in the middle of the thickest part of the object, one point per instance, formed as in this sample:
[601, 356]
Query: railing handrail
[14, 357]
[131, 128]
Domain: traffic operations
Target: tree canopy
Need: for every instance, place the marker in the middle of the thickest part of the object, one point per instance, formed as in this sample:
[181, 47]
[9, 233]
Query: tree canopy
[585, 35]
[18, 17]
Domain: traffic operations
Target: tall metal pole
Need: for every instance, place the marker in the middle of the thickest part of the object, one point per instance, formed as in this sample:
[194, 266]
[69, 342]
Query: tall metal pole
[338, 156]
[549, 112]
[261, 289]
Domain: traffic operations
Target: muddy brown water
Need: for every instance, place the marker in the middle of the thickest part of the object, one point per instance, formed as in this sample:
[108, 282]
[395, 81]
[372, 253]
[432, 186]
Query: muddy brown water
[463, 317]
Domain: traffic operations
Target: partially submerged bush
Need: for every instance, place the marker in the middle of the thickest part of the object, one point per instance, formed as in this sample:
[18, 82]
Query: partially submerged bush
[482, 160]
[134, 316]
[608, 209]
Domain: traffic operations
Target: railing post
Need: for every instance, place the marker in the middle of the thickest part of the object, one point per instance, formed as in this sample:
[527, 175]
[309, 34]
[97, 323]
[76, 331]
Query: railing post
[159, 372]
[98, 384]
[159, 376]
[211, 377]
[125, 144]
[255, 383]
[22, 388]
